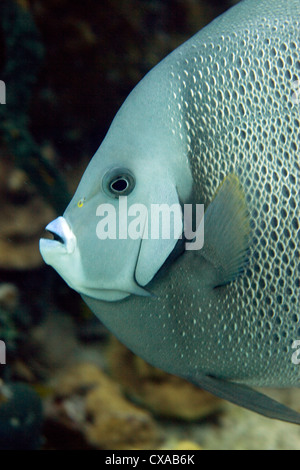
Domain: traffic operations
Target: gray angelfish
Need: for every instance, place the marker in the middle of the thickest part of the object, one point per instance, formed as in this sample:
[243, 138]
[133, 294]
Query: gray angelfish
[215, 123]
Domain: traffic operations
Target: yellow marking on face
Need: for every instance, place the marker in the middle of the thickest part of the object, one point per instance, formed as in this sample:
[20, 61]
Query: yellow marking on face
[80, 202]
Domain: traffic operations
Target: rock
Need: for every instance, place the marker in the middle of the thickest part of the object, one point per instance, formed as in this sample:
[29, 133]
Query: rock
[187, 445]
[87, 403]
[183, 445]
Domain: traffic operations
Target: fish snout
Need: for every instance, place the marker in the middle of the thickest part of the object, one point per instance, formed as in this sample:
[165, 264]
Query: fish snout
[63, 240]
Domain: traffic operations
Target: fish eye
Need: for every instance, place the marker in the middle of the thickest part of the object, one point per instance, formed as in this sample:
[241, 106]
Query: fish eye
[118, 182]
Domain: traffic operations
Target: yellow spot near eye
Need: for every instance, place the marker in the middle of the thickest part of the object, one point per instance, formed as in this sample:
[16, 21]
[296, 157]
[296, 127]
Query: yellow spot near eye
[80, 202]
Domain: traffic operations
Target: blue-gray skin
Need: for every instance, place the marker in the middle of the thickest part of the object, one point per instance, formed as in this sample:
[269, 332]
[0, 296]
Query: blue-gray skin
[224, 107]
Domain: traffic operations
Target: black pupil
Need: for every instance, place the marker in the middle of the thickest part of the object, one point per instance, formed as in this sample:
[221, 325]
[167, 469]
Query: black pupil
[119, 185]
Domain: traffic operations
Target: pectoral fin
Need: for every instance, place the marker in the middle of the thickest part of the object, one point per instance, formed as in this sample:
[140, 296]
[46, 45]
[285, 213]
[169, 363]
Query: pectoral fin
[227, 231]
[249, 398]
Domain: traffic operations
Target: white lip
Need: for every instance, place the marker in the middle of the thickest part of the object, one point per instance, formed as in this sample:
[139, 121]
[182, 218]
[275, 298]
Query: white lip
[61, 228]
[63, 254]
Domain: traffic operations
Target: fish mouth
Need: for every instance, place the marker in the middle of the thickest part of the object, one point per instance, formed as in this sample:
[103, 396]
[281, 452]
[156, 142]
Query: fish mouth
[62, 238]
[55, 237]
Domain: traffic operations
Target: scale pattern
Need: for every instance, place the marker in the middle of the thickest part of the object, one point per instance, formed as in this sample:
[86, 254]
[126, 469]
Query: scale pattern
[238, 111]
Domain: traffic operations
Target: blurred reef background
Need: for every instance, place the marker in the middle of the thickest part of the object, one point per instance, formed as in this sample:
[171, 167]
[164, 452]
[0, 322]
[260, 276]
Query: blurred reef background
[68, 66]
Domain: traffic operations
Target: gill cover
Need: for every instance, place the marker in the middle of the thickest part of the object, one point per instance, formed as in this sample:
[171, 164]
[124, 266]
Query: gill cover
[162, 229]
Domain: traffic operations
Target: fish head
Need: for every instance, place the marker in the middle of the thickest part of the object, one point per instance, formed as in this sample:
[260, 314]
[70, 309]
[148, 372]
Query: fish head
[102, 244]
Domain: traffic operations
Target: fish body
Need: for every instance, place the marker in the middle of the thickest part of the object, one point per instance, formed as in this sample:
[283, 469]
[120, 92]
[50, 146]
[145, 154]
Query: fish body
[221, 111]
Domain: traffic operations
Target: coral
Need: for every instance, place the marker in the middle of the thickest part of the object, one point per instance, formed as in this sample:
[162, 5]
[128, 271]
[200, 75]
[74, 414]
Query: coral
[181, 445]
[87, 403]
[187, 445]
[163, 393]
